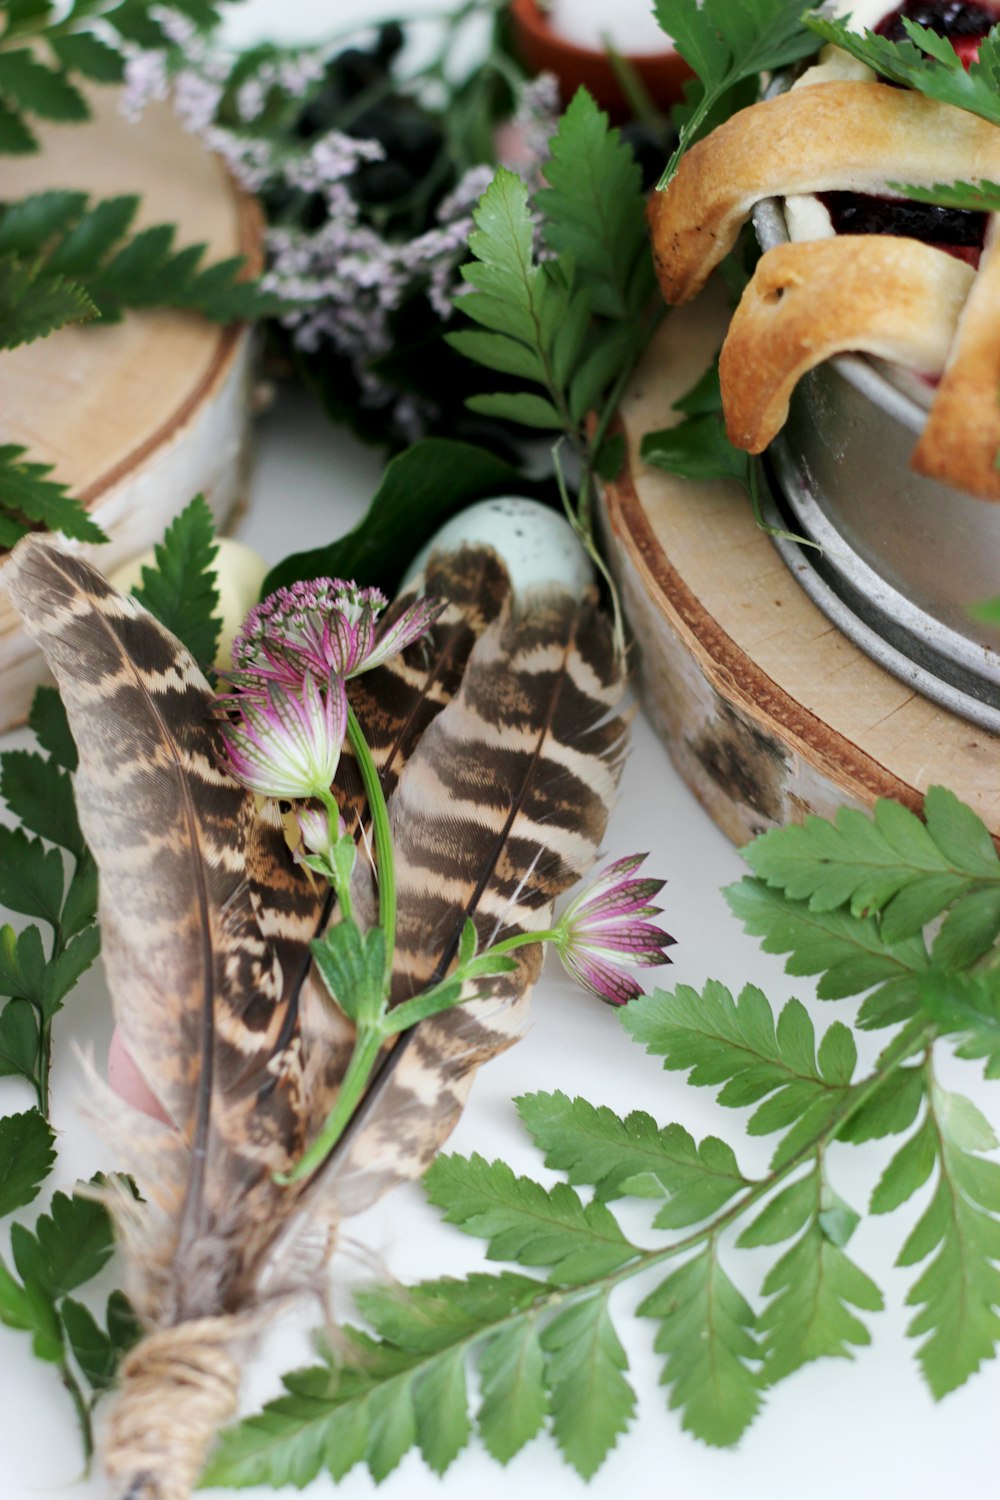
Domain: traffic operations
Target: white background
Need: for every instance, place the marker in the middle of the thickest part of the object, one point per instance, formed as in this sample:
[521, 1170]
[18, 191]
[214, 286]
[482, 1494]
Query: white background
[866, 1428]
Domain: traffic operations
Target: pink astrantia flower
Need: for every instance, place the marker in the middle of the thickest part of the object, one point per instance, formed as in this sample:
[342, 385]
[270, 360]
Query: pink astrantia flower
[287, 742]
[607, 925]
[325, 627]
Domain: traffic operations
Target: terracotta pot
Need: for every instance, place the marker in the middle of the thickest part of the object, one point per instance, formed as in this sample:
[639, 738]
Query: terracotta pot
[542, 50]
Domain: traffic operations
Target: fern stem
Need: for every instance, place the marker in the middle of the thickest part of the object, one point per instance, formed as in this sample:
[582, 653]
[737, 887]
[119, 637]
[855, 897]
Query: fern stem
[72, 1385]
[905, 1044]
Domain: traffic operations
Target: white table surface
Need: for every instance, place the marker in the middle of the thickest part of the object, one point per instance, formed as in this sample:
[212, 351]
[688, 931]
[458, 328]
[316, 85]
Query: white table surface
[867, 1429]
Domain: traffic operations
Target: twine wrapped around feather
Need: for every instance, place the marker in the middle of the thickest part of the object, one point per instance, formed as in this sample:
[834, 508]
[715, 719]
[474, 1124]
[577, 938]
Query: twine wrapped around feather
[499, 747]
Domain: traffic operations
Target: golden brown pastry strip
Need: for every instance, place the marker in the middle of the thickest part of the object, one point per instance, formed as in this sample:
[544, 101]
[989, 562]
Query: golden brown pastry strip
[960, 442]
[830, 136]
[877, 294]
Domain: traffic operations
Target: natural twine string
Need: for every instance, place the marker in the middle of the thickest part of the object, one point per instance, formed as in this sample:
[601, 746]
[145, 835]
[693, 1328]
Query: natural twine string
[178, 1387]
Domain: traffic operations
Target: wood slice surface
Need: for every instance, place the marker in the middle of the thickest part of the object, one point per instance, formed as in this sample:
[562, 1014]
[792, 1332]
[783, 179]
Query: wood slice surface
[767, 710]
[138, 416]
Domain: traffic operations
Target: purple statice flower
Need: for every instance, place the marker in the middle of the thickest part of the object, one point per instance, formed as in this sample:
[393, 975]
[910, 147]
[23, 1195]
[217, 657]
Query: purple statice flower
[326, 628]
[330, 158]
[178, 28]
[196, 98]
[146, 79]
[606, 925]
[286, 743]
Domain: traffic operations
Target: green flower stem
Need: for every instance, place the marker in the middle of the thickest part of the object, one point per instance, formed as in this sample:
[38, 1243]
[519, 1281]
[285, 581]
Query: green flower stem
[525, 939]
[359, 1070]
[382, 836]
[342, 888]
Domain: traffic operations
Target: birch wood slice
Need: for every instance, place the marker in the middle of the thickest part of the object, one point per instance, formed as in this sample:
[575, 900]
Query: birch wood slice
[766, 709]
[136, 417]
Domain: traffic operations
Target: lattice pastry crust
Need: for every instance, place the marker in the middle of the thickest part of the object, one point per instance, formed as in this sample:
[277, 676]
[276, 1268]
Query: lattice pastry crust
[880, 294]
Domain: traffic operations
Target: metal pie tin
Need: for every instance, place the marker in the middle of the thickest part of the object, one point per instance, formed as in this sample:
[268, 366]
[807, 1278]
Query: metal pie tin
[902, 558]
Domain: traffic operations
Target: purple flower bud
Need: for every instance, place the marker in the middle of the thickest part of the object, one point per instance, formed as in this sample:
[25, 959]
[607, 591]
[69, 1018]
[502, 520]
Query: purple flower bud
[315, 831]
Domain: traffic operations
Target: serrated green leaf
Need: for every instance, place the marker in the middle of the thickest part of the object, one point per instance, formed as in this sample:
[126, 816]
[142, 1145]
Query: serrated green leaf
[591, 1400]
[18, 1040]
[696, 448]
[34, 302]
[970, 197]
[181, 590]
[890, 1108]
[60, 234]
[967, 1006]
[15, 1309]
[968, 931]
[15, 137]
[784, 1215]
[514, 1401]
[707, 1334]
[124, 1328]
[40, 795]
[813, 1288]
[80, 907]
[908, 1170]
[381, 1397]
[865, 863]
[45, 1327]
[610, 348]
[518, 406]
[26, 1156]
[525, 1222]
[849, 952]
[69, 1245]
[594, 209]
[82, 52]
[726, 43]
[498, 352]
[95, 233]
[570, 337]
[736, 1044]
[958, 1292]
[22, 964]
[43, 91]
[27, 225]
[92, 1348]
[596, 1146]
[31, 876]
[26, 491]
[63, 973]
[926, 62]
[51, 728]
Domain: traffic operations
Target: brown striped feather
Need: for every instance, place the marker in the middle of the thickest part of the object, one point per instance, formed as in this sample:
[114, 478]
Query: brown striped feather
[198, 988]
[498, 742]
[500, 809]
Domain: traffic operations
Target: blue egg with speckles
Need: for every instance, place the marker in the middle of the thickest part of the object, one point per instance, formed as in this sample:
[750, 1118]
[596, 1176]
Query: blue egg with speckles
[537, 544]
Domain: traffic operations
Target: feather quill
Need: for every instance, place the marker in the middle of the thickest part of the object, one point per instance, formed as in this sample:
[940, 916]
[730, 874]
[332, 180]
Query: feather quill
[500, 747]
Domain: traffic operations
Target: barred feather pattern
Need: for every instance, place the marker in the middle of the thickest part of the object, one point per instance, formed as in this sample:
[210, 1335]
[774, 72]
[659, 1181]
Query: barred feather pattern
[198, 990]
[396, 703]
[500, 745]
[500, 809]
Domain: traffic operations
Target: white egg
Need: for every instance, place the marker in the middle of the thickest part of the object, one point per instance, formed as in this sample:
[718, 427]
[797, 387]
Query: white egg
[239, 573]
[537, 544]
